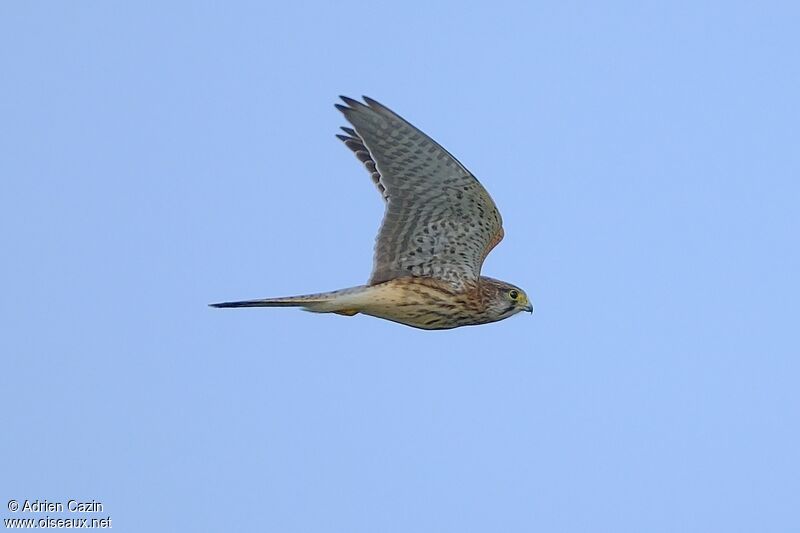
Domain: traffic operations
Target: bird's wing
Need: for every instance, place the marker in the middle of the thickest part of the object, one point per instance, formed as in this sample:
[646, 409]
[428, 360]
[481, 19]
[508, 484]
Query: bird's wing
[440, 222]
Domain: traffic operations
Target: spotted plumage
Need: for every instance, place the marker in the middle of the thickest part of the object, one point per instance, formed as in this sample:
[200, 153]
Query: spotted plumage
[439, 225]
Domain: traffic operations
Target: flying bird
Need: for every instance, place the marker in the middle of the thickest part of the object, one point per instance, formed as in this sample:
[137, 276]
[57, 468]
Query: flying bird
[438, 227]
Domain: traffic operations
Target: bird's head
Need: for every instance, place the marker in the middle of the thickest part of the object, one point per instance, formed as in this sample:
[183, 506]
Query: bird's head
[504, 299]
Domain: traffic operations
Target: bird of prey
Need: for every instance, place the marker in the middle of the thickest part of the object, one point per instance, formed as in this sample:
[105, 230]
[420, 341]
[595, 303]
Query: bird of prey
[438, 227]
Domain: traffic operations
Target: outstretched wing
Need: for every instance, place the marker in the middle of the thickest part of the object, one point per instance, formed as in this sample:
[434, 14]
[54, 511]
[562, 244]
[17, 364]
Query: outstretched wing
[440, 222]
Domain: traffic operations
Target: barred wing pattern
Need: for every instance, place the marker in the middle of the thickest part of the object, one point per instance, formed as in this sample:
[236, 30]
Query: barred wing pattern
[440, 222]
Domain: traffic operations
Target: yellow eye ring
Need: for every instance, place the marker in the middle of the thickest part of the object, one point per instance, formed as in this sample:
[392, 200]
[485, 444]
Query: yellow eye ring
[513, 294]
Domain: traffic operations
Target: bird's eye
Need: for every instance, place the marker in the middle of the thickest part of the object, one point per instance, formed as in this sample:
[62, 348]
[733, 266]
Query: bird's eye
[513, 294]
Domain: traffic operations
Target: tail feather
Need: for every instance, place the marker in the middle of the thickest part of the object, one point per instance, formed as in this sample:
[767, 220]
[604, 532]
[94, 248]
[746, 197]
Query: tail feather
[268, 302]
[326, 302]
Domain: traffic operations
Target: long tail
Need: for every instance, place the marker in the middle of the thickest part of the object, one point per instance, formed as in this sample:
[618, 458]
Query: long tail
[326, 302]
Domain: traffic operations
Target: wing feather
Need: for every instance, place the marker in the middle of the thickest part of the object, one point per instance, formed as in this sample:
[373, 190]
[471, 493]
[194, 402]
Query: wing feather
[439, 222]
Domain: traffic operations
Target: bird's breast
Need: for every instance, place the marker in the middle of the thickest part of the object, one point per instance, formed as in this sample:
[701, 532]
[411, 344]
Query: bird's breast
[424, 303]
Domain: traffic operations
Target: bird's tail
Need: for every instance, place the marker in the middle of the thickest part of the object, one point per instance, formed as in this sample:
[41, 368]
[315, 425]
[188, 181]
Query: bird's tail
[343, 302]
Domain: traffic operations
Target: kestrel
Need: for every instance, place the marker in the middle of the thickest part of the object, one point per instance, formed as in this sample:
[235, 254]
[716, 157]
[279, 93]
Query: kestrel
[438, 227]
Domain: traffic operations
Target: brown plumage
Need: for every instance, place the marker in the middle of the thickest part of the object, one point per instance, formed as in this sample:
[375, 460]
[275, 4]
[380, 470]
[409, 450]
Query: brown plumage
[439, 226]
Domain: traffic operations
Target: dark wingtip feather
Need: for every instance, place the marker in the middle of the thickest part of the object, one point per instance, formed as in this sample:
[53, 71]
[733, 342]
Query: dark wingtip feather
[349, 101]
[379, 107]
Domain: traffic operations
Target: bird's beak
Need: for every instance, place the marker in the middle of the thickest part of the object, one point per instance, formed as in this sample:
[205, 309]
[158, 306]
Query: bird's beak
[528, 308]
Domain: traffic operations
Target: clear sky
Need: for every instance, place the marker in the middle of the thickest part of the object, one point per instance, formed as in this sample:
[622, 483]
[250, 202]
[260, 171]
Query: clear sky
[159, 156]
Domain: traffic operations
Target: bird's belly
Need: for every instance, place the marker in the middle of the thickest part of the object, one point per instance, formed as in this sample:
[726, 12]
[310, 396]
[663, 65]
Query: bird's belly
[415, 304]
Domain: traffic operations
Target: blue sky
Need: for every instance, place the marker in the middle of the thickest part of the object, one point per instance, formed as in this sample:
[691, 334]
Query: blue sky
[156, 157]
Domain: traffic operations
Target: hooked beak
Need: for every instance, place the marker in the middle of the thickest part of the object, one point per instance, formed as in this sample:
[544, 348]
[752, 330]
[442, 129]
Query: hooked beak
[528, 308]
